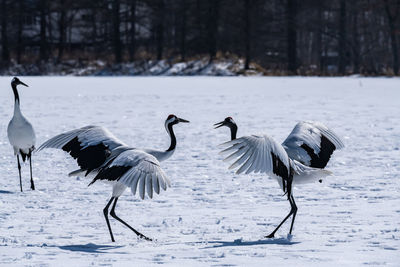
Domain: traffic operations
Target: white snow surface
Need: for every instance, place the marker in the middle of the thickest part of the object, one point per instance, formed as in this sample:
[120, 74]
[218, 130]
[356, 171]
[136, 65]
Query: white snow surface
[210, 216]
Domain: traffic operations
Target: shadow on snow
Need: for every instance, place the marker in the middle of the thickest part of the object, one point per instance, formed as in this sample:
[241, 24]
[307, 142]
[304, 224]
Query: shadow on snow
[6, 192]
[90, 248]
[240, 242]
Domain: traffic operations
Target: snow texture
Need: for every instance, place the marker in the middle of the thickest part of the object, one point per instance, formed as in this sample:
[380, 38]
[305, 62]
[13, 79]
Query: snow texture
[198, 67]
[210, 216]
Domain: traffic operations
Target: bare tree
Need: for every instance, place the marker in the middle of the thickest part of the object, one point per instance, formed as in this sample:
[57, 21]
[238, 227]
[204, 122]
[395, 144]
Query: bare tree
[116, 31]
[5, 55]
[61, 29]
[132, 32]
[392, 29]
[342, 38]
[247, 29]
[43, 24]
[212, 29]
[291, 14]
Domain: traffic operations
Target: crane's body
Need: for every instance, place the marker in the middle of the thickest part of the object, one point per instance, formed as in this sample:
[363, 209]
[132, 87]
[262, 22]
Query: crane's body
[300, 159]
[20, 133]
[100, 154]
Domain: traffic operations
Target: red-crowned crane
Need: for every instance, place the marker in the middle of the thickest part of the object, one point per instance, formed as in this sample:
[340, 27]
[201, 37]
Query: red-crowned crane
[20, 133]
[299, 159]
[100, 153]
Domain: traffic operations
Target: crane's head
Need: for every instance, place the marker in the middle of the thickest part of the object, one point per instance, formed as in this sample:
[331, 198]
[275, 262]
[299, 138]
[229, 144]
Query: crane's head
[228, 122]
[172, 120]
[15, 81]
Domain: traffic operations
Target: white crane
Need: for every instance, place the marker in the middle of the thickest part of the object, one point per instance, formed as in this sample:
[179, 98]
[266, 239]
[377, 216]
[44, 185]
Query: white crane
[20, 133]
[299, 159]
[100, 153]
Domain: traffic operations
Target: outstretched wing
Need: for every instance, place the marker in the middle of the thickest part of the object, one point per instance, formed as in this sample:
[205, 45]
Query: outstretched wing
[257, 153]
[90, 145]
[135, 169]
[312, 144]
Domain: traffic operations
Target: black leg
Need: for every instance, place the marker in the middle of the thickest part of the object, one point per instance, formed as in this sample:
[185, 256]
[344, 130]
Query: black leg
[19, 170]
[105, 211]
[30, 167]
[294, 209]
[271, 235]
[112, 213]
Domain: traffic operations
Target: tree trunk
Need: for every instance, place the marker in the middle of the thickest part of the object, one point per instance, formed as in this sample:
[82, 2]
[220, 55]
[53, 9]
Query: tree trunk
[355, 40]
[183, 31]
[116, 31]
[291, 14]
[319, 32]
[94, 33]
[213, 28]
[43, 41]
[160, 28]
[247, 28]
[19, 29]
[132, 45]
[393, 41]
[342, 38]
[61, 30]
[5, 55]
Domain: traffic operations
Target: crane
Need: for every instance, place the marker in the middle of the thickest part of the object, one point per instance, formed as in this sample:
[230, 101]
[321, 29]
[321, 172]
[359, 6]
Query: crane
[299, 159]
[20, 133]
[99, 153]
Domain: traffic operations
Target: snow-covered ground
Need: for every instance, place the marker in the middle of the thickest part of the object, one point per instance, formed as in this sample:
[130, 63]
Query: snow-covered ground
[200, 67]
[210, 216]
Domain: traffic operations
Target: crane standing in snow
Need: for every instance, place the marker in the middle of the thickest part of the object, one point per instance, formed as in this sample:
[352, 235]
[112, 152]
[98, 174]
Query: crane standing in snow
[20, 133]
[300, 159]
[101, 154]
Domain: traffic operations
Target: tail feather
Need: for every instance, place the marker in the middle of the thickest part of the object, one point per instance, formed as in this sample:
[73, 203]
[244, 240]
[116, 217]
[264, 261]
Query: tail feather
[76, 172]
[304, 174]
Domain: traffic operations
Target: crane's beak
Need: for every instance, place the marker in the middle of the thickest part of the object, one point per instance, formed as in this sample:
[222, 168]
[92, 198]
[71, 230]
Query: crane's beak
[23, 84]
[219, 124]
[183, 120]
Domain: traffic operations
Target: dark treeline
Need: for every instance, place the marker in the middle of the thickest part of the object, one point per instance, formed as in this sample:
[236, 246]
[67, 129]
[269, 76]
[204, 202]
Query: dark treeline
[316, 37]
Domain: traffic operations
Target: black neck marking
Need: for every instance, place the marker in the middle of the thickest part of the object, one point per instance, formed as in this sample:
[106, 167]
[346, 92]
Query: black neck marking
[16, 95]
[234, 129]
[172, 135]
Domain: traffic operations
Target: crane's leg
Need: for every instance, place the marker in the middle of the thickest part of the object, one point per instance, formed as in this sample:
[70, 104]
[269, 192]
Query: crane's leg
[294, 208]
[105, 211]
[112, 213]
[30, 167]
[19, 171]
[271, 235]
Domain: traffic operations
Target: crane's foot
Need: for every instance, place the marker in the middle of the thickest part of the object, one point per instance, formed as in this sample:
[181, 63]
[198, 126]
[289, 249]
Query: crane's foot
[144, 237]
[271, 235]
[32, 186]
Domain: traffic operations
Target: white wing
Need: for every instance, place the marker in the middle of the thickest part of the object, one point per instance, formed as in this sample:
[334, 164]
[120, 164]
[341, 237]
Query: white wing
[86, 136]
[136, 169]
[20, 133]
[257, 154]
[90, 146]
[312, 144]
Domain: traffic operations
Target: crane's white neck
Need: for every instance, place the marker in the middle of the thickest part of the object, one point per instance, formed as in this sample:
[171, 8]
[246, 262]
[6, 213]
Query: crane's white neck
[163, 155]
[170, 130]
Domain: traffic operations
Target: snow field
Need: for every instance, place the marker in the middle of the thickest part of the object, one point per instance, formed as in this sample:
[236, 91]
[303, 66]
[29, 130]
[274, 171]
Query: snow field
[210, 216]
